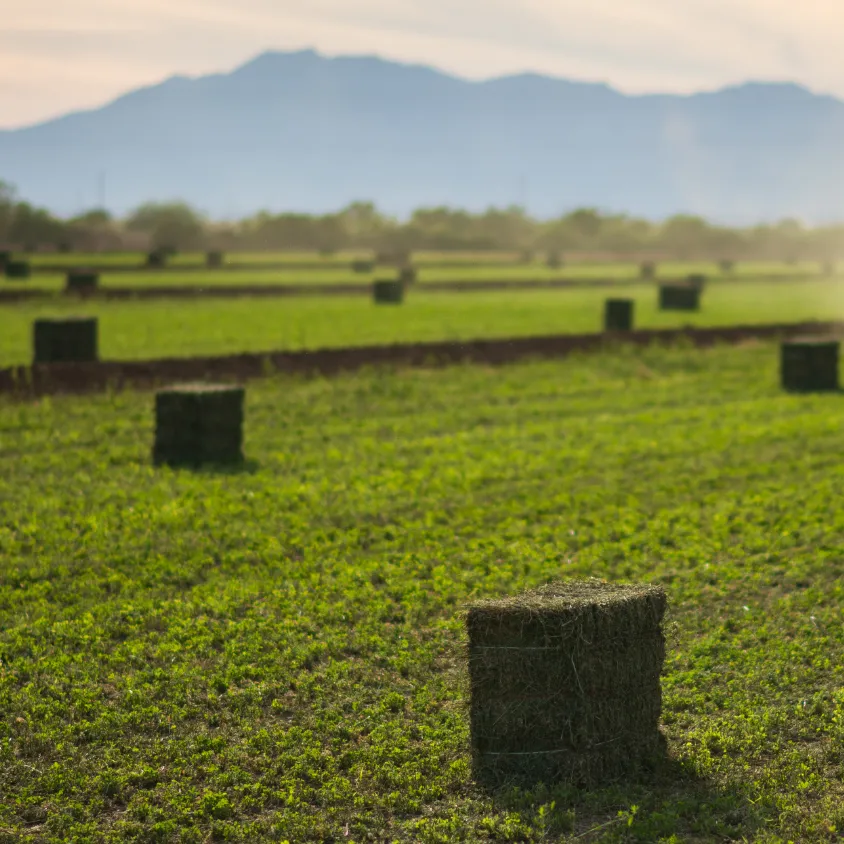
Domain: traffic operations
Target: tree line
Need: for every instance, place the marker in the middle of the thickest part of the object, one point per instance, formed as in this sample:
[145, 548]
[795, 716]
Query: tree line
[361, 225]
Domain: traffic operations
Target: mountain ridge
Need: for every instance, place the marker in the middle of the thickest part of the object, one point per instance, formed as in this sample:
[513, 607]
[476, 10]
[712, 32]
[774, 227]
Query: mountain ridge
[299, 131]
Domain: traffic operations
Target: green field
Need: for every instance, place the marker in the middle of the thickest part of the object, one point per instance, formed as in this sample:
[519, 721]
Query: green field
[206, 327]
[337, 271]
[277, 653]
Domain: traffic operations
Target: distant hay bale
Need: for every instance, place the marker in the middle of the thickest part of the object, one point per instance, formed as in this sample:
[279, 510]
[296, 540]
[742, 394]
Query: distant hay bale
[647, 270]
[618, 315]
[407, 275]
[554, 260]
[198, 424]
[388, 291]
[726, 265]
[679, 297]
[214, 259]
[565, 684]
[17, 270]
[64, 247]
[156, 259]
[82, 281]
[363, 266]
[809, 364]
[70, 340]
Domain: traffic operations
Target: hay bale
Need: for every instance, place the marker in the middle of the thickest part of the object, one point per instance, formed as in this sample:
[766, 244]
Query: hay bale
[618, 315]
[809, 364]
[407, 275]
[17, 270]
[726, 265]
[156, 259]
[5, 257]
[388, 291]
[82, 281]
[647, 270]
[554, 260]
[565, 683]
[71, 340]
[214, 260]
[363, 266]
[197, 424]
[679, 297]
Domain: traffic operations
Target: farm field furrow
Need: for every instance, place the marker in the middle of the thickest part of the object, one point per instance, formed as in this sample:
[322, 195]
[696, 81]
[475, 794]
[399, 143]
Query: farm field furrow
[137, 330]
[277, 653]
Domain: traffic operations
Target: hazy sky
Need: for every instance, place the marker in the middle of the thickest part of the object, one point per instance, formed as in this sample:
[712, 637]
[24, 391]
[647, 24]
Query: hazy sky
[56, 56]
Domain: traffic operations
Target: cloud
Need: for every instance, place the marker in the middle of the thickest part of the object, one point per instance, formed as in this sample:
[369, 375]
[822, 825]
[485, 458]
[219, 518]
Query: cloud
[56, 56]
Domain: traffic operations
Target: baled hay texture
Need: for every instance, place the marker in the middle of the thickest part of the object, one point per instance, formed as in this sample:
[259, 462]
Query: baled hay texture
[70, 340]
[565, 682]
[809, 364]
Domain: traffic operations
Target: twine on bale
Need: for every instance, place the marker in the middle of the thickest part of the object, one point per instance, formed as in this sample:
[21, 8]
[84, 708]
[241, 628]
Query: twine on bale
[565, 683]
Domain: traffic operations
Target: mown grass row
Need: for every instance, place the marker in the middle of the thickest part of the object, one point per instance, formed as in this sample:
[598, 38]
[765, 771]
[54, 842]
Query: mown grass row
[276, 654]
[133, 330]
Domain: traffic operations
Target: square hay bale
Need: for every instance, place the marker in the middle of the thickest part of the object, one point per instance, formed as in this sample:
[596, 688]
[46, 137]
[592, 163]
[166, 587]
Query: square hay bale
[388, 291]
[5, 257]
[407, 274]
[156, 259]
[679, 297]
[17, 270]
[214, 260]
[554, 260]
[809, 364]
[72, 340]
[647, 270]
[363, 266]
[565, 684]
[198, 424]
[618, 315]
[82, 281]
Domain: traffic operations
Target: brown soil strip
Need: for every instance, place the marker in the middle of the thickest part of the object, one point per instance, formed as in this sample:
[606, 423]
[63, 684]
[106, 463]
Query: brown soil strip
[46, 379]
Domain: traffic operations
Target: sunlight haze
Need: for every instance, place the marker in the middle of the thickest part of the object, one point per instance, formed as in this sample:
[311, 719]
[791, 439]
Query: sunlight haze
[57, 57]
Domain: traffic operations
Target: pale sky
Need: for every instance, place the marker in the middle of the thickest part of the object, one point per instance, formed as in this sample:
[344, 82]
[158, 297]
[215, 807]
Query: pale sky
[57, 55]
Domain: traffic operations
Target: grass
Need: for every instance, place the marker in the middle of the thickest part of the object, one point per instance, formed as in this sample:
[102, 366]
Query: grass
[205, 327]
[276, 654]
[336, 271]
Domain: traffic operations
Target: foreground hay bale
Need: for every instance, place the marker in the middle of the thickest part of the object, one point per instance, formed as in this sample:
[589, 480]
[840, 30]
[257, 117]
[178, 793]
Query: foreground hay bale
[72, 340]
[82, 281]
[197, 424]
[388, 291]
[214, 260]
[17, 270]
[363, 266]
[647, 270]
[618, 315]
[565, 684]
[679, 297]
[809, 364]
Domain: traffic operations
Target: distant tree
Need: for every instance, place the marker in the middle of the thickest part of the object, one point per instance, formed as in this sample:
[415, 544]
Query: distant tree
[8, 198]
[168, 224]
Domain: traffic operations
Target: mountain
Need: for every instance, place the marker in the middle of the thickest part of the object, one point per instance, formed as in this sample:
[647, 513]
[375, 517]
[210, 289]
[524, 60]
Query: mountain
[298, 131]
